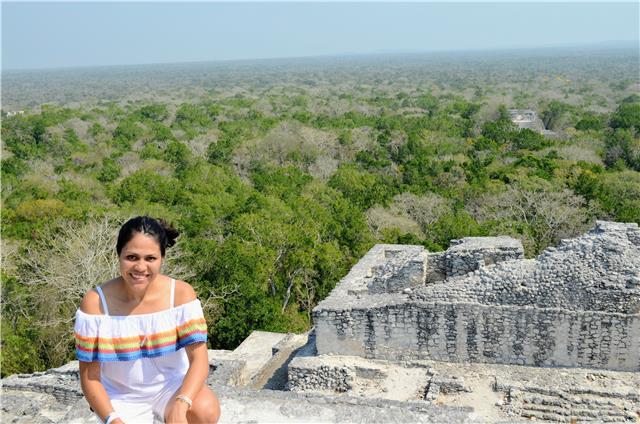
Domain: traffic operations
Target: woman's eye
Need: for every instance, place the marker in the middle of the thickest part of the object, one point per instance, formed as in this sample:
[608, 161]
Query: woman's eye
[131, 258]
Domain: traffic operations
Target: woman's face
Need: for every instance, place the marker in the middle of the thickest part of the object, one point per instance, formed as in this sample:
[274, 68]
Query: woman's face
[140, 261]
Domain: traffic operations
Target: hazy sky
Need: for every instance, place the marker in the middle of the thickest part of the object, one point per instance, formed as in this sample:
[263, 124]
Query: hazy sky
[50, 35]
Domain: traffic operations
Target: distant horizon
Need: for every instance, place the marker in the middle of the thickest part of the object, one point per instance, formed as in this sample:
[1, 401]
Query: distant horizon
[67, 35]
[565, 48]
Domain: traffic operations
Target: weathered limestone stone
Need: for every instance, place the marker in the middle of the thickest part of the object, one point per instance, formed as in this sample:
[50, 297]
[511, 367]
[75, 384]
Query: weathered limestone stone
[471, 253]
[574, 305]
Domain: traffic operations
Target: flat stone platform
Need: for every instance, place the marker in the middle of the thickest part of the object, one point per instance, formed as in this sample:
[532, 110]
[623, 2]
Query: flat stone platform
[497, 393]
[54, 396]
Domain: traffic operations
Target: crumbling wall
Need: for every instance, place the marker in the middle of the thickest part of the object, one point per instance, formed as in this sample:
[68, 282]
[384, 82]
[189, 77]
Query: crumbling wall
[401, 268]
[470, 253]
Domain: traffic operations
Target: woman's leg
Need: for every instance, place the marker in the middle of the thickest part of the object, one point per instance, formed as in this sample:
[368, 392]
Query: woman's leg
[205, 408]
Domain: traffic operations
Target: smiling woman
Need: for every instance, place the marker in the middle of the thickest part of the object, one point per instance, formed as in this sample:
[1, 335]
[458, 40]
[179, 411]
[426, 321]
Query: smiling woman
[141, 338]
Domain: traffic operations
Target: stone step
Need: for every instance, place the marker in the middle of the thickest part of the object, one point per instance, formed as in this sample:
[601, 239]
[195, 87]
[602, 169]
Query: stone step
[545, 416]
[546, 409]
[612, 412]
[581, 414]
[545, 400]
[274, 374]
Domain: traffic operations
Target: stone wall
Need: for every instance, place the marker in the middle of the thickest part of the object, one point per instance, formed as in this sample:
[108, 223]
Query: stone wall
[577, 304]
[338, 379]
[459, 332]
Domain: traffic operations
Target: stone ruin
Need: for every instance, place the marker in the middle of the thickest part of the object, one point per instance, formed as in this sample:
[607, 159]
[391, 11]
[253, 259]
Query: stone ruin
[575, 305]
[526, 118]
[476, 333]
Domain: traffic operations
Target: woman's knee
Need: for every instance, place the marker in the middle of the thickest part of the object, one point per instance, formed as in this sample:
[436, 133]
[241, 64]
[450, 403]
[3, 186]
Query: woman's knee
[205, 409]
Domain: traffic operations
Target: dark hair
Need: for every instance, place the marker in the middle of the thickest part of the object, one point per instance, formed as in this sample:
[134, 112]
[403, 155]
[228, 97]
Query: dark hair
[159, 229]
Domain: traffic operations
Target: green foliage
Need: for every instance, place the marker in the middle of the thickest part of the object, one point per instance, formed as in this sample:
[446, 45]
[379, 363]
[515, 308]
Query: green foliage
[361, 188]
[541, 167]
[554, 114]
[499, 131]
[280, 182]
[190, 116]
[147, 186]
[627, 116]
[622, 149]
[529, 140]
[453, 225]
[178, 154]
[110, 171]
[618, 193]
[161, 132]
[126, 133]
[591, 122]
[233, 133]
[156, 112]
[13, 168]
[96, 129]
[427, 102]
[349, 120]
[19, 352]
[151, 150]
[345, 138]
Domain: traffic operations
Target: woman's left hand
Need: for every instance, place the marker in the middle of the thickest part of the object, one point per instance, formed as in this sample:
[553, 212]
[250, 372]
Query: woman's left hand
[177, 413]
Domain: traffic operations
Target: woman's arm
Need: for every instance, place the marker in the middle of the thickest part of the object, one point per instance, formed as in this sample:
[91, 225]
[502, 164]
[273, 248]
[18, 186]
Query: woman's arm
[193, 381]
[198, 370]
[94, 391]
[92, 387]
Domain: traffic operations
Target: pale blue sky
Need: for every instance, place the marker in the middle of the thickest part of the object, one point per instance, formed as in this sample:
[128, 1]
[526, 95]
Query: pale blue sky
[52, 35]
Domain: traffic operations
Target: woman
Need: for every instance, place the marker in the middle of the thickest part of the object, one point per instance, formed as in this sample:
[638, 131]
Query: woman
[141, 338]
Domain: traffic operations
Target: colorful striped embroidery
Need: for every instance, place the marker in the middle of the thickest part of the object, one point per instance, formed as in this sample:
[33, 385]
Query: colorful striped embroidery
[103, 349]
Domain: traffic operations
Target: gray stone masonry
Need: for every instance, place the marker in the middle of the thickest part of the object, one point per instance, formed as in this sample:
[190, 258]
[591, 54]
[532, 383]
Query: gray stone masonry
[471, 253]
[575, 305]
[404, 269]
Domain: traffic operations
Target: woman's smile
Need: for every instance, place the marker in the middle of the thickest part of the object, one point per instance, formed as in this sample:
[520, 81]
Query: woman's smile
[139, 277]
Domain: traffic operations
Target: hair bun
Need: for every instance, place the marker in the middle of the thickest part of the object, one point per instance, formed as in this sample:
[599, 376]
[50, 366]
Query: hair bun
[172, 233]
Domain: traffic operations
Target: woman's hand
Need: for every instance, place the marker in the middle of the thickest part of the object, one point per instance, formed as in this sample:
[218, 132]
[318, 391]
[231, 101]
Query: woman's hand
[117, 421]
[177, 412]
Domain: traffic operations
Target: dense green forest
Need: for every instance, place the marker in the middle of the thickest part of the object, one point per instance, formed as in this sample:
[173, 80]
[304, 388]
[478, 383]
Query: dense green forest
[281, 175]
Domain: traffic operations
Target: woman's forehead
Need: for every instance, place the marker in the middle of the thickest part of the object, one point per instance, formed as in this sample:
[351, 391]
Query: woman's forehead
[142, 241]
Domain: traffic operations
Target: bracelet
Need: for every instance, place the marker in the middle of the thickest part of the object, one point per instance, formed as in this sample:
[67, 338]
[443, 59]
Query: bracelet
[185, 399]
[111, 417]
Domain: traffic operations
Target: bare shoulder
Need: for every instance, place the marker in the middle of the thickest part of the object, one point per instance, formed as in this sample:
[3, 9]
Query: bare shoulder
[184, 293]
[91, 303]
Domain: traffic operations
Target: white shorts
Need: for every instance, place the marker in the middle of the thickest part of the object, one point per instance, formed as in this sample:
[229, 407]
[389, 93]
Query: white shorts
[147, 412]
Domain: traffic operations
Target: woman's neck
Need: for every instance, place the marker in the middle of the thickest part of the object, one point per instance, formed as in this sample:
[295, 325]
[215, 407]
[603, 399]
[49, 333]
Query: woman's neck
[135, 296]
